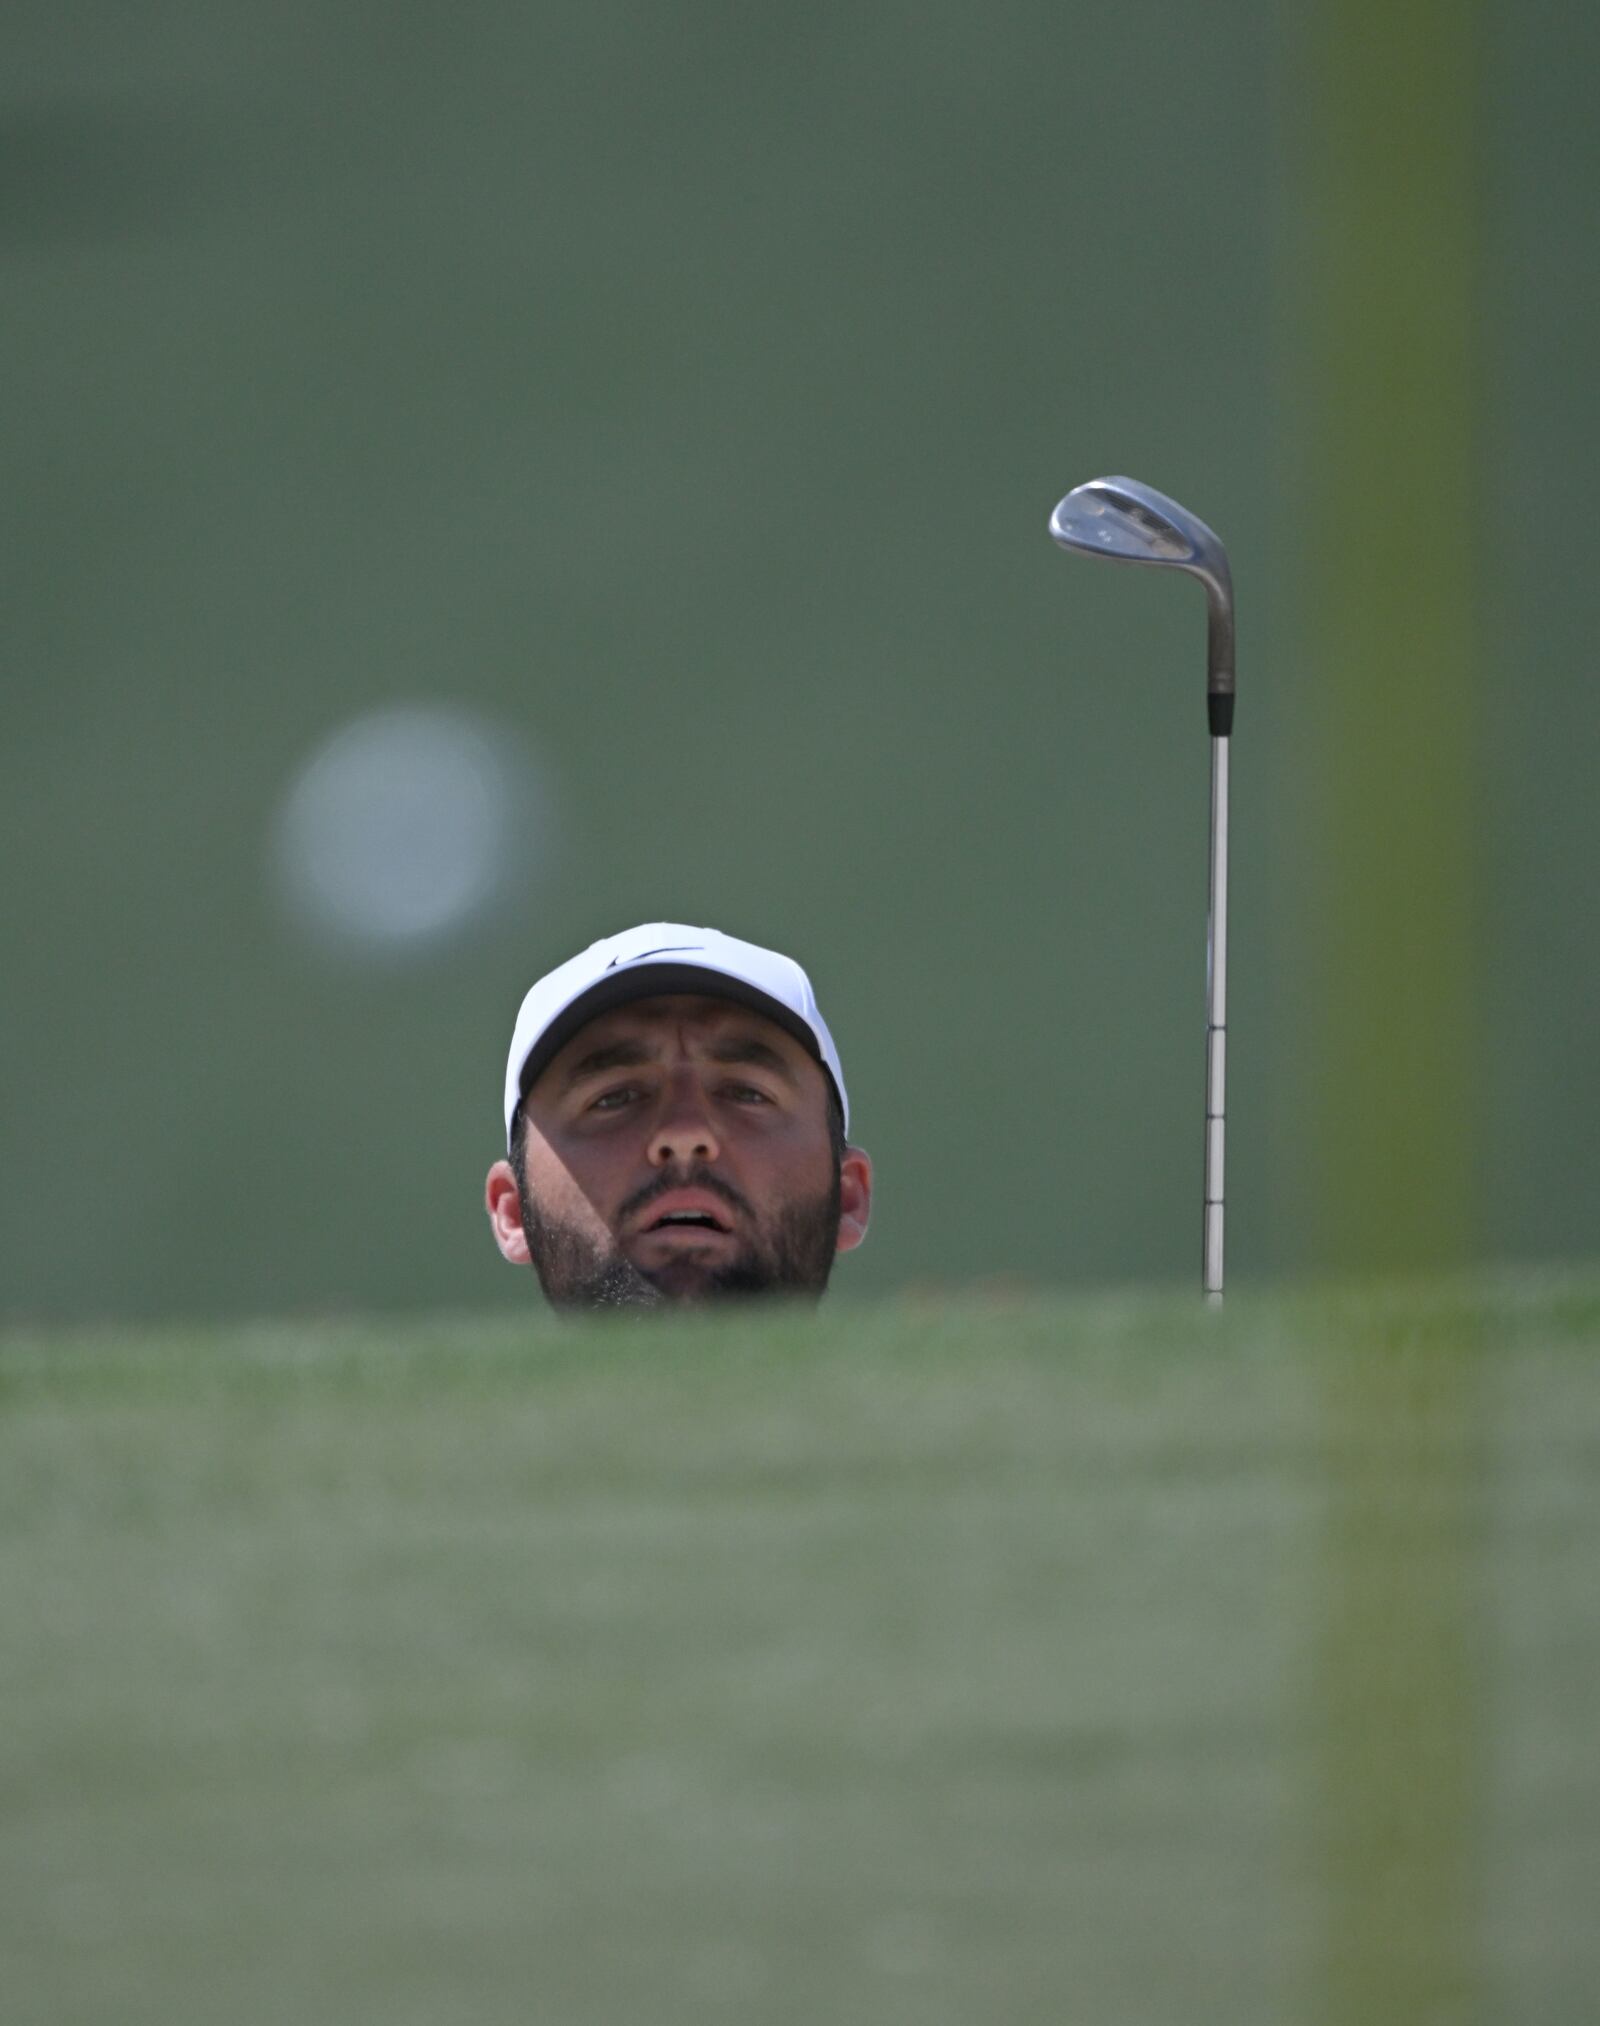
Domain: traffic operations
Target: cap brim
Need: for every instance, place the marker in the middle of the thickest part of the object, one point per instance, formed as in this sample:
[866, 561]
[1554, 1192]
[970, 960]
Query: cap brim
[653, 981]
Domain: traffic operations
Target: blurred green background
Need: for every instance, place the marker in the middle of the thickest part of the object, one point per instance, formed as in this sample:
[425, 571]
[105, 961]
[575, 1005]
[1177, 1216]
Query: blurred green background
[680, 394]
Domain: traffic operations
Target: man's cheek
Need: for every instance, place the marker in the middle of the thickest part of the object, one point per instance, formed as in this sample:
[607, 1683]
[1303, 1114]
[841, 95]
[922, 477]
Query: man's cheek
[558, 1191]
[581, 1216]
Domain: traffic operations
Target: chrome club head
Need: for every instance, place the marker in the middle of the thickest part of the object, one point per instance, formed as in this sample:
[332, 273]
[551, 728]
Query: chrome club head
[1133, 523]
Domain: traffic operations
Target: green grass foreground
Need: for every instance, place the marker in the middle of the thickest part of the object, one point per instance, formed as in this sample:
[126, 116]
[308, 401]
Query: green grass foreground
[969, 1660]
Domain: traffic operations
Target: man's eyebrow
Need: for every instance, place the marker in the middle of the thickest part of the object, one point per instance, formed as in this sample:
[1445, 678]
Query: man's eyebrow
[629, 1054]
[746, 1048]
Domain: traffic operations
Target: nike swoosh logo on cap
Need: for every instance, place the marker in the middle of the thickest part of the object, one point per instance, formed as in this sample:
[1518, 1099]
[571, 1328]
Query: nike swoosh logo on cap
[668, 950]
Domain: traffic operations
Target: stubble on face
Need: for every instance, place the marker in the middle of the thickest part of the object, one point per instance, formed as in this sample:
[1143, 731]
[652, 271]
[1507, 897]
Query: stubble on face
[790, 1252]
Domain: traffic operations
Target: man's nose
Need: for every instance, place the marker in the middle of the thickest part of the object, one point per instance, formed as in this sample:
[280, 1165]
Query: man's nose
[683, 1134]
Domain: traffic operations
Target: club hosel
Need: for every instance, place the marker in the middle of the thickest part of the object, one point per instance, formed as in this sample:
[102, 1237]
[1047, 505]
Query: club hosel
[1219, 657]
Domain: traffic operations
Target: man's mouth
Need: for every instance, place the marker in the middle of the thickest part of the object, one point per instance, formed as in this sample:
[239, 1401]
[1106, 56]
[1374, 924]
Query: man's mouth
[694, 1211]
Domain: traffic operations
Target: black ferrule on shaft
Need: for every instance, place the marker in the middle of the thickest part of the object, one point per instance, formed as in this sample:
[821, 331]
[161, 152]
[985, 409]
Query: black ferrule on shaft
[1219, 710]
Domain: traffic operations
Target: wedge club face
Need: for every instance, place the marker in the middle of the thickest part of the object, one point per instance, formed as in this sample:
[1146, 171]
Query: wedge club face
[1133, 523]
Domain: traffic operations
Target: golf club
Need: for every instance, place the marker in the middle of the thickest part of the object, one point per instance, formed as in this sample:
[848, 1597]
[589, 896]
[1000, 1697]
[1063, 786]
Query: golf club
[1133, 523]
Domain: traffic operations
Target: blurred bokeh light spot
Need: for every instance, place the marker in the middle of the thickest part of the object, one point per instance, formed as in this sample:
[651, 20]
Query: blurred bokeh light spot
[405, 827]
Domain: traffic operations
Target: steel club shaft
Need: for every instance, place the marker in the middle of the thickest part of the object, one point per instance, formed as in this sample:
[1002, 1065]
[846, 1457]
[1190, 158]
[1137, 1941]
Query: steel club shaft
[1216, 1024]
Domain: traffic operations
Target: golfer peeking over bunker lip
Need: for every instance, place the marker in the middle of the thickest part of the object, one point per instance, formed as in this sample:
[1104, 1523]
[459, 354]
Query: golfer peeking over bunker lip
[676, 1127]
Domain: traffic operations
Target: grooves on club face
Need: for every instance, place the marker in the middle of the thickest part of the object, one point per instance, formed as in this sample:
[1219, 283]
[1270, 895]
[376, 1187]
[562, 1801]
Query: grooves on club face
[1107, 517]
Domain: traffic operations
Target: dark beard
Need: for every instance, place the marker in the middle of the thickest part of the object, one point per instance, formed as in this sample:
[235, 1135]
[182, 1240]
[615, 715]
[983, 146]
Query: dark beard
[792, 1254]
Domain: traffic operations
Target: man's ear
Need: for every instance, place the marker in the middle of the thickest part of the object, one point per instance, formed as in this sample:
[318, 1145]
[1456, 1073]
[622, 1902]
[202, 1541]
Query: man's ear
[855, 1198]
[504, 1205]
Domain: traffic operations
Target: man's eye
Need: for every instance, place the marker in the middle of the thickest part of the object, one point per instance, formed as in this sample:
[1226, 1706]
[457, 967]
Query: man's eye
[746, 1093]
[614, 1100]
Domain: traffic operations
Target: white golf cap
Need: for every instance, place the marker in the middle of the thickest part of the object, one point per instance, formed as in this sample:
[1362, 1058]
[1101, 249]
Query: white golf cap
[645, 962]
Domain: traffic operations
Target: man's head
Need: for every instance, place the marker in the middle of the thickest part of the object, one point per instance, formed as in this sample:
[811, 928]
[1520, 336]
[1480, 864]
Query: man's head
[676, 1127]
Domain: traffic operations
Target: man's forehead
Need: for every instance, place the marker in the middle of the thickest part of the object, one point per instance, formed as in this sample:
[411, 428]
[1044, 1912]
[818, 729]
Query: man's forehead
[657, 1021]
